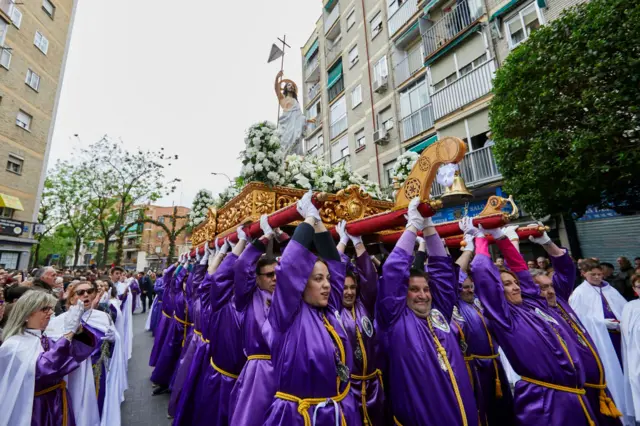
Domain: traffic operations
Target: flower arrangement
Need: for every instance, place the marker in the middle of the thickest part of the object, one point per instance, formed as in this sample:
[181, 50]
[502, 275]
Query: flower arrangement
[227, 195]
[402, 168]
[262, 159]
[200, 207]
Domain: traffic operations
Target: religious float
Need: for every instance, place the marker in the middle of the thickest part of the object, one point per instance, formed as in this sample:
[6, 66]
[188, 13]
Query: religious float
[379, 222]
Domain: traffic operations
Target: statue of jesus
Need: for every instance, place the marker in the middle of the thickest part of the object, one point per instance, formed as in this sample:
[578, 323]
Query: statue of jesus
[292, 123]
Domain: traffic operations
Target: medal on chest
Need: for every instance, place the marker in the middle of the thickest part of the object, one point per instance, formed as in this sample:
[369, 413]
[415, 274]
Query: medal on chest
[546, 316]
[463, 346]
[578, 323]
[581, 340]
[367, 326]
[456, 315]
[358, 353]
[478, 305]
[343, 372]
[438, 320]
[443, 364]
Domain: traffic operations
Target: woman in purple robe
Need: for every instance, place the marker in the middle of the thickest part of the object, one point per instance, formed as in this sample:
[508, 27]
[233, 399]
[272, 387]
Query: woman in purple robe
[135, 294]
[311, 352]
[254, 283]
[156, 310]
[358, 303]
[166, 319]
[33, 367]
[413, 313]
[538, 348]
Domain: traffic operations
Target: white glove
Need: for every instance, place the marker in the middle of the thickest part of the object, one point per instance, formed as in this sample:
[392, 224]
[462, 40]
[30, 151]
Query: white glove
[466, 225]
[510, 232]
[612, 324]
[470, 245]
[496, 233]
[72, 318]
[355, 240]
[198, 256]
[216, 246]
[306, 208]
[341, 228]
[267, 230]
[414, 218]
[109, 336]
[207, 254]
[225, 247]
[544, 239]
[241, 234]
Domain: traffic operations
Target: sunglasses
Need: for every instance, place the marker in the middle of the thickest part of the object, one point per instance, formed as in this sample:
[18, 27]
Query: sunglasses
[269, 274]
[83, 292]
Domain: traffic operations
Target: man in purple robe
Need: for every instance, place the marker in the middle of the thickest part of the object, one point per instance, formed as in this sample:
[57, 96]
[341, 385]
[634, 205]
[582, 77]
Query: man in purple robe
[358, 304]
[310, 350]
[156, 309]
[135, 293]
[538, 348]
[413, 313]
[166, 319]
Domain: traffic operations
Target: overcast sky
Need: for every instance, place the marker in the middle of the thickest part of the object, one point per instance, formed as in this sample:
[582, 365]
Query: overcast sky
[188, 75]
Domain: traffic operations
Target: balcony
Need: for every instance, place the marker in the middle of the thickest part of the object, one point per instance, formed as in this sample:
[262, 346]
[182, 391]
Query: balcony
[346, 160]
[477, 168]
[311, 69]
[408, 67]
[464, 90]
[336, 89]
[311, 127]
[6, 7]
[313, 92]
[402, 15]
[334, 51]
[331, 19]
[418, 122]
[462, 15]
[339, 126]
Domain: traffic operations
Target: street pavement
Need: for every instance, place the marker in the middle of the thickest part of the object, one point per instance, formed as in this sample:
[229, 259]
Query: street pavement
[140, 408]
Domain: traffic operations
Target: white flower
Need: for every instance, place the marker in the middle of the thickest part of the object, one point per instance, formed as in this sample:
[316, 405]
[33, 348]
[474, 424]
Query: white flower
[258, 167]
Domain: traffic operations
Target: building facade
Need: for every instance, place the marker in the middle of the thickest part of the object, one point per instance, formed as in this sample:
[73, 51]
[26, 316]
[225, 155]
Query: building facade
[34, 40]
[146, 246]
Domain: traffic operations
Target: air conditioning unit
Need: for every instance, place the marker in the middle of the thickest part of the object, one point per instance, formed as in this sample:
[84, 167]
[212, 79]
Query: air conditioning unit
[380, 136]
[380, 86]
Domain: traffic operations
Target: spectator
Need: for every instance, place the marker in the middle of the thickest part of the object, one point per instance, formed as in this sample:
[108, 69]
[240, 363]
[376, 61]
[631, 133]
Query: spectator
[607, 271]
[499, 262]
[543, 263]
[622, 281]
[531, 264]
[636, 262]
[45, 278]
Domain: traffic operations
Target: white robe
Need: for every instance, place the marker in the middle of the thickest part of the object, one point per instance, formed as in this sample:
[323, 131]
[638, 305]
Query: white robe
[147, 324]
[127, 314]
[630, 327]
[120, 329]
[587, 303]
[18, 357]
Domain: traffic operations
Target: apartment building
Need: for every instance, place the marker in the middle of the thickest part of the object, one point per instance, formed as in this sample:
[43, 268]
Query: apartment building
[146, 246]
[34, 39]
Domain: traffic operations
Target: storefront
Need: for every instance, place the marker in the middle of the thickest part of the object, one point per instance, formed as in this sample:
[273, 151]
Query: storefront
[607, 235]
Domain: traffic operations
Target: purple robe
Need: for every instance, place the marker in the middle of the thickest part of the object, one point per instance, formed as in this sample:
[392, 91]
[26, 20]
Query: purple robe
[166, 317]
[563, 280]
[537, 346]
[193, 339]
[614, 335]
[156, 313]
[173, 344]
[413, 344]
[95, 357]
[253, 392]
[135, 290]
[303, 351]
[52, 366]
[222, 328]
[358, 324]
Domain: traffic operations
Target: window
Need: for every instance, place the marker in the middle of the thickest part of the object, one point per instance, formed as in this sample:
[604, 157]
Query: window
[314, 144]
[414, 99]
[360, 140]
[356, 96]
[376, 25]
[16, 16]
[388, 168]
[351, 19]
[41, 42]
[15, 164]
[314, 110]
[445, 82]
[9, 260]
[49, 8]
[338, 117]
[380, 70]
[520, 27]
[353, 55]
[5, 54]
[23, 120]
[394, 5]
[388, 124]
[33, 80]
[161, 219]
[6, 212]
[340, 150]
[159, 234]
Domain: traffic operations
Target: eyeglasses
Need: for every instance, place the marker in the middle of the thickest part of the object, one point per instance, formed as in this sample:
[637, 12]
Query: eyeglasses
[47, 309]
[271, 274]
[83, 292]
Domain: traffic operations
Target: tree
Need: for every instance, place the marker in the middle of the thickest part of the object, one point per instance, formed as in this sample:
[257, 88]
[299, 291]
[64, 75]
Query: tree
[565, 116]
[200, 208]
[48, 217]
[60, 241]
[72, 197]
[118, 180]
[172, 232]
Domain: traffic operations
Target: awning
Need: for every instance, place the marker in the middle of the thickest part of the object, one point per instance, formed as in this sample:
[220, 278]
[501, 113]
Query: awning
[407, 33]
[313, 49]
[422, 145]
[11, 202]
[452, 44]
[328, 6]
[334, 74]
[507, 7]
[429, 5]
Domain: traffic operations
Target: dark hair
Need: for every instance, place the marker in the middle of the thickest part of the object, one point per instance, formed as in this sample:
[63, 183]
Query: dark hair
[285, 92]
[637, 258]
[510, 272]
[351, 275]
[607, 264]
[12, 294]
[265, 261]
[418, 273]
[116, 268]
[589, 264]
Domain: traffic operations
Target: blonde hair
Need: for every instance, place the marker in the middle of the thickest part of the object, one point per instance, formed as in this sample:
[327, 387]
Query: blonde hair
[30, 302]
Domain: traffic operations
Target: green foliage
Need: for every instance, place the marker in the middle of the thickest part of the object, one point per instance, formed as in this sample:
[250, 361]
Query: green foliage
[565, 116]
[60, 241]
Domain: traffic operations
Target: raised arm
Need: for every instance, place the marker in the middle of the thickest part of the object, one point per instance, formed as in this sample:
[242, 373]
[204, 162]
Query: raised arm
[564, 275]
[420, 259]
[327, 250]
[277, 85]
[442, 278]
[368, 279]
[222, 284]
[244, 281]
[507, 241]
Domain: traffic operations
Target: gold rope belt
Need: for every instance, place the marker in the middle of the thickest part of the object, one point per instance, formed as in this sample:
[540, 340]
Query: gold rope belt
[184, 332]
[199, 334]
[221, 371]
[62, 385]
[305, 403]
[370, 376]
[265, 357]
[576, 391]
[166, 314]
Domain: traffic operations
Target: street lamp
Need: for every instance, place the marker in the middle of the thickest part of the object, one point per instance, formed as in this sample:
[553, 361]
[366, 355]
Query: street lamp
[223, 174]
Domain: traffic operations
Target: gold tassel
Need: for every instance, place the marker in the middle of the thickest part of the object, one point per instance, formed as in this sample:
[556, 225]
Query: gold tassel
[604, 408]
[498, 388]
[614, 410]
